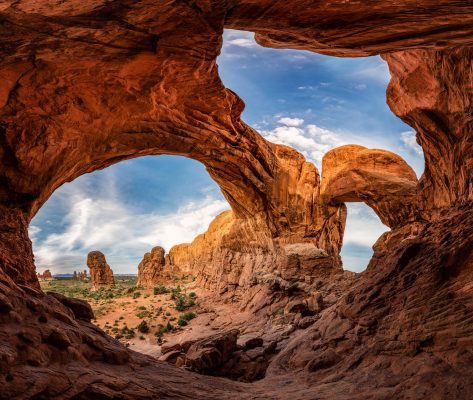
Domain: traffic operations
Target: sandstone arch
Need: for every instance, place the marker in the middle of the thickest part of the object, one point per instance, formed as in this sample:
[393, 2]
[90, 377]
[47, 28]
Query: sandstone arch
[380, 178]
[88, 84]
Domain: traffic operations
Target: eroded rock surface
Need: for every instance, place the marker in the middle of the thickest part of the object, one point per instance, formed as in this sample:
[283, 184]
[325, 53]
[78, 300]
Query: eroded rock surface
[88, 84]
[151, 268]
[101, 275]
[380, 178]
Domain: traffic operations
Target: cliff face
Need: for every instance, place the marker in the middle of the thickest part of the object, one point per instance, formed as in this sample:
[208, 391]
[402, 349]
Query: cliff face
[88, 84]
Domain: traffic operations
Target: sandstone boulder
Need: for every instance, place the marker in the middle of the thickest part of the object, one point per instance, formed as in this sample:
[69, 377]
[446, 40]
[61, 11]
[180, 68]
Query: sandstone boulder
[101, 275]
[208, 355]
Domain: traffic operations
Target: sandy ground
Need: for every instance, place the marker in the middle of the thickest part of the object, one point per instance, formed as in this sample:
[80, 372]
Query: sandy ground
[128, 309]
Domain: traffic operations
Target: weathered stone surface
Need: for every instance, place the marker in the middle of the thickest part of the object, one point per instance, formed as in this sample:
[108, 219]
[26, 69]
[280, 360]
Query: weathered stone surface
[208, 355]
[101, 275]
[433, 92]
[232, 250]
[87, 84]
[151, 268]
[381, 179]
[81, 309]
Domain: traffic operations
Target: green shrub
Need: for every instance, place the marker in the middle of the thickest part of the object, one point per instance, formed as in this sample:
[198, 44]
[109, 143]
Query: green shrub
[161, 289]
[136, 295]
[175, 292]
[127, 332]
[183, 302]
[142, 314]
[185, 317]
[164, 329]
[143, 327]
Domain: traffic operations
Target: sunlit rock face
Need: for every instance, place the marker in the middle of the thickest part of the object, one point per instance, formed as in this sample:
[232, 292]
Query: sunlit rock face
[151, 268]
[101, 275]
[379, 178]
[88, 84]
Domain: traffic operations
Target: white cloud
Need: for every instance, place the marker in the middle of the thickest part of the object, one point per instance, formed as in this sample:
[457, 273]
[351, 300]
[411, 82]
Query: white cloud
[241, 42]
[311, 140]
[409, 141]
[291, 121]
[122, 233]
[362, 230]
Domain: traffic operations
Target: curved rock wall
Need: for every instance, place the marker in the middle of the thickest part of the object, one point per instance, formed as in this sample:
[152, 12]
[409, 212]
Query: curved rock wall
[381, 179]
[88, 84]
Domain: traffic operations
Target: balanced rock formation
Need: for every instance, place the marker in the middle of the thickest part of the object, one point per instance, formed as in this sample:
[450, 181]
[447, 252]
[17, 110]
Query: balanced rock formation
[101, 275]
[87, 84]
[151, 268]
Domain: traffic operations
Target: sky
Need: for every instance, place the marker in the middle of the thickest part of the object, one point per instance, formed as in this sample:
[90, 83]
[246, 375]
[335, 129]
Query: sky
[305, 100]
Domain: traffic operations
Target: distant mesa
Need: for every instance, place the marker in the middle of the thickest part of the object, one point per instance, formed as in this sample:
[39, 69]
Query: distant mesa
[45, 275]
[101, 275]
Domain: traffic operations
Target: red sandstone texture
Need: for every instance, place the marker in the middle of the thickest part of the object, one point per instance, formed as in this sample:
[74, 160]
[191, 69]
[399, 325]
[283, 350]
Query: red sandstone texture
[88, 84]
[151, 268]
[101, 275]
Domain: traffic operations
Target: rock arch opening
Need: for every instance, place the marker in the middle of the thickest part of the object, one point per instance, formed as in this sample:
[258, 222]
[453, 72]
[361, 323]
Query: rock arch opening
[362, 229]
[315, 103]
[86, 85]
[124, 211]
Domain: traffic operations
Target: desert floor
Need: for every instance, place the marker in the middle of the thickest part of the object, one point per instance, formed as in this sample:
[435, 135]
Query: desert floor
[140, 318]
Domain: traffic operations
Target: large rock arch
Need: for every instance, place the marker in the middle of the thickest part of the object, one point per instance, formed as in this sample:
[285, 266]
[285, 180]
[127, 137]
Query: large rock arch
[88, 84]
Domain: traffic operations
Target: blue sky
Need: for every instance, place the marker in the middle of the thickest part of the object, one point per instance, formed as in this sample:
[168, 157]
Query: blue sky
[308, 101]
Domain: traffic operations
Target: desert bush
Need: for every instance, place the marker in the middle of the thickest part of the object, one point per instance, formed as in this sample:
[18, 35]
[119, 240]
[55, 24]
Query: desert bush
[183, 318]
[164, 329]
[161, 289]
[143, 327]
[183, 302]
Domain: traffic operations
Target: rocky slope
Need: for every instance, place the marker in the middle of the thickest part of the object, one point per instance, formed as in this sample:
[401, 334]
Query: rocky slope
[88, 84]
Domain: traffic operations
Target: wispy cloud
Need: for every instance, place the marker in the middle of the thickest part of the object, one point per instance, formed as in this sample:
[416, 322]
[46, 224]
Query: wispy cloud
[104, 222]
[408, 139]
[375, 70]
[362, 230]
[241, 42]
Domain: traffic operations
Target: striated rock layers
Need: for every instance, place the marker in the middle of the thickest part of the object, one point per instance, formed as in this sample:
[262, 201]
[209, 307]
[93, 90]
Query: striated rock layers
[101, 275]
[88, 84]
[234, 252]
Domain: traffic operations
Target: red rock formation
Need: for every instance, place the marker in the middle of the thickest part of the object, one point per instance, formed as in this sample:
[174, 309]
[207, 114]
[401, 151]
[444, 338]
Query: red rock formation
[432, 91]
[87, 84]
[101, 275]
[151, 268]
[379, 178]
